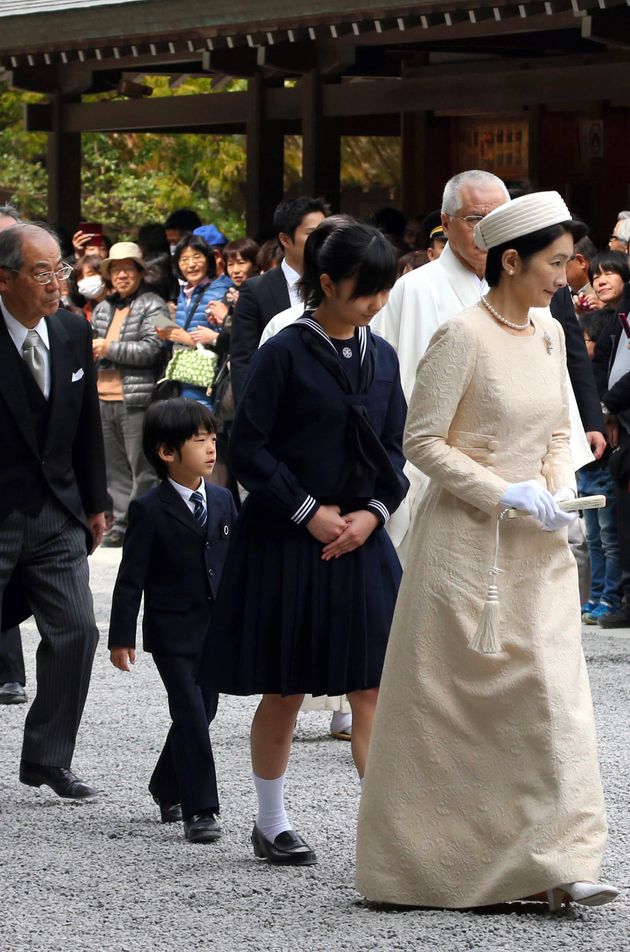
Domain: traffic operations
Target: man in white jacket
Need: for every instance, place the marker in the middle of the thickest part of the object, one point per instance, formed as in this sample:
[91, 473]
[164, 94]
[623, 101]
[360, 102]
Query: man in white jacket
[421, 301]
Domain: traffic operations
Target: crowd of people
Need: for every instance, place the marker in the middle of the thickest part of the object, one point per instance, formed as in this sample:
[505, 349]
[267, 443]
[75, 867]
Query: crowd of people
[297, 465]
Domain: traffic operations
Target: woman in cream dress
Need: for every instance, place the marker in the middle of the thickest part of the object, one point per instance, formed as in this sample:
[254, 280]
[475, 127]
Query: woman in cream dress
[482, 782]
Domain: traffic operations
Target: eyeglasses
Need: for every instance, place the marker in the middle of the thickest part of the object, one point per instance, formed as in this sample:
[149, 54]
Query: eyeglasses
[621, 241]
[47, 277]
[194, 259]
[470, 220]
[122, 269]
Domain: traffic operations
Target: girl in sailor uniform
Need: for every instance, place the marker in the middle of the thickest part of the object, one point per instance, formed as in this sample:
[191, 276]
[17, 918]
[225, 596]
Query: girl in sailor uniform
[308, 594]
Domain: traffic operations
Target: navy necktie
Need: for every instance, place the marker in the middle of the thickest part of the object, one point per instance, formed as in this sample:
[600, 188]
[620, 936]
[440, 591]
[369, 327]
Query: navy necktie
[200, 510]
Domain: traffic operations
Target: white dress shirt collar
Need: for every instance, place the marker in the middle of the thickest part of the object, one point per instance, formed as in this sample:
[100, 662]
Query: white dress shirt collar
[292, 277]
[18, 331]
[186, 493]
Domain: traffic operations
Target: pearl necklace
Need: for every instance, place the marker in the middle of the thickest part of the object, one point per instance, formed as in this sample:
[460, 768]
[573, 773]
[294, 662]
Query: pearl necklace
[516, 327]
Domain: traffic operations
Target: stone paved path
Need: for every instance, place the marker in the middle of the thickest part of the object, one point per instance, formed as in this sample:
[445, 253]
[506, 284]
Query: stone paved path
[107, 877]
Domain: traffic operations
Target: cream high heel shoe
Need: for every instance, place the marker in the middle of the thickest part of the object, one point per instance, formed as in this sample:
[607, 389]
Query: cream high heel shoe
[585, 894]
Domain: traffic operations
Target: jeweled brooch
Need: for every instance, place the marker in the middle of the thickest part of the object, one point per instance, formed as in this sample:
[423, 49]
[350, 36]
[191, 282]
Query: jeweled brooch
[548, 341]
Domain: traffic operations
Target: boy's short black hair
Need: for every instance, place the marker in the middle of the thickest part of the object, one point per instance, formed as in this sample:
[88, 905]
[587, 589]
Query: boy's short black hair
[171, 423]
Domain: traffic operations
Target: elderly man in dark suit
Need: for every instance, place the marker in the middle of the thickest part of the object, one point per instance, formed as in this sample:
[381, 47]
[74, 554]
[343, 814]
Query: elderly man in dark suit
[52, 495]
[263, 297]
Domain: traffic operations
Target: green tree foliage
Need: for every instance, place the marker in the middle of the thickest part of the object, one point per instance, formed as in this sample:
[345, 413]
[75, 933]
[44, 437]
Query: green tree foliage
[131, 178]
[22, 155]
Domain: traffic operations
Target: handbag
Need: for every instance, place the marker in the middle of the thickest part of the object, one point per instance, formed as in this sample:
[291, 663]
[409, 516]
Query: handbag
[223, 398]
[195, 366]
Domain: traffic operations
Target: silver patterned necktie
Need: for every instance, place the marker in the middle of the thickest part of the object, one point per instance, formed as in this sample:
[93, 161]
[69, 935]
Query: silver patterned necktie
[200, 513]
[34, 359]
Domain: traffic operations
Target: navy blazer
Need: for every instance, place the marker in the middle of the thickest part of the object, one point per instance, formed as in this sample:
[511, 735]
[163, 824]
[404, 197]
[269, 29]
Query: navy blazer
[177, 564]
[260, 299]
[578, 364]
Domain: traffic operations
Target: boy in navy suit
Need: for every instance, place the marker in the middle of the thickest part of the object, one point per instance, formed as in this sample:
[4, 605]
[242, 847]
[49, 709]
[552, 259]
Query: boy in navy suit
[173, 552]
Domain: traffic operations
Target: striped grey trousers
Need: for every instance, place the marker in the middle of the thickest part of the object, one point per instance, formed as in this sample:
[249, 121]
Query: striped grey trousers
[50, 551]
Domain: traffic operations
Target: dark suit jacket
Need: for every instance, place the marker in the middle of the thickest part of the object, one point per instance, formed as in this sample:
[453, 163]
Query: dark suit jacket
[605, 350]
[259, 300]
[177, 564]
[578, 363]
[617, 398]
[72, 460]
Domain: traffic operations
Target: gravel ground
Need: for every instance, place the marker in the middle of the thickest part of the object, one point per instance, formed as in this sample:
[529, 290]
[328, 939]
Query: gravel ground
[107, 876]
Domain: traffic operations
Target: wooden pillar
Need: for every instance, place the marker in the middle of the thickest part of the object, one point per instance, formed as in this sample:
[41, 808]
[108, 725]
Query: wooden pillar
[413, 161]
[63, 166]
[321, 145]
[265, 162]
[536, 115]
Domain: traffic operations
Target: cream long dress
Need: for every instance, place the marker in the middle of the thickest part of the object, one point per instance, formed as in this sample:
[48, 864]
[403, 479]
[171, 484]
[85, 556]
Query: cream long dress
[482, 783]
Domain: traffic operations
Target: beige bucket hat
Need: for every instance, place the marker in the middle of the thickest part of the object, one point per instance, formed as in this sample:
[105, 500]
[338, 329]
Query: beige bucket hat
[121, 251]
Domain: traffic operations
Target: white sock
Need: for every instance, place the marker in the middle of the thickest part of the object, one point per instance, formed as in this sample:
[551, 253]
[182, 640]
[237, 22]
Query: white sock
[340, 722]
[272, 818]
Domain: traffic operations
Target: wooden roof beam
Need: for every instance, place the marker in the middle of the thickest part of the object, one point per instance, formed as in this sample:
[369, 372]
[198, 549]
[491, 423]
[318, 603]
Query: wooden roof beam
[611, 29]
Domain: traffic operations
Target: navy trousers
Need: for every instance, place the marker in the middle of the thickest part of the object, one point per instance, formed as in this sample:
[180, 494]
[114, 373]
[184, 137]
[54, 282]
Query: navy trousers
[185, 771]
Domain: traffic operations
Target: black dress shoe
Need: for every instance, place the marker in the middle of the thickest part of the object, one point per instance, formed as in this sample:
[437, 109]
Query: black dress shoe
[12, 692]
[60, 780]
[288, 849]
[169, 812]
[618, 619]
[202, 827]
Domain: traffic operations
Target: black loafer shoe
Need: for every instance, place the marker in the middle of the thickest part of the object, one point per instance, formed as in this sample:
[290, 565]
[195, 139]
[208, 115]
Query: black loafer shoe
[169, 812]
[60, 780]
[12, 692]
[202, 828]
[288, 849]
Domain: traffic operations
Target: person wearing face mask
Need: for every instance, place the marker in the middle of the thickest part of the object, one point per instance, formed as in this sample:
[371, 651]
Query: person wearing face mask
[89, 282]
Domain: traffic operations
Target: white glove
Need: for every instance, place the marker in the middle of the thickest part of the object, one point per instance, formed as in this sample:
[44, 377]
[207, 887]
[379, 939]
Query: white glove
[560, 518]
[530, 497]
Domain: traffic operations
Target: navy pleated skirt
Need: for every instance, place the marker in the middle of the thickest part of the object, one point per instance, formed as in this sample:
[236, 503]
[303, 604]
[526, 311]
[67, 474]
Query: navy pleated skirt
[286, 622]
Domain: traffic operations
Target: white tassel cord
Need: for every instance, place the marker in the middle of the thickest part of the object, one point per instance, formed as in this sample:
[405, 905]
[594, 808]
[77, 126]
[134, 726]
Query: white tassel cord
[486, 638]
